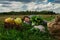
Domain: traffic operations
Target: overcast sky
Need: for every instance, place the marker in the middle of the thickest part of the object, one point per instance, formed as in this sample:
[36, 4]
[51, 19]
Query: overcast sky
[30, 5]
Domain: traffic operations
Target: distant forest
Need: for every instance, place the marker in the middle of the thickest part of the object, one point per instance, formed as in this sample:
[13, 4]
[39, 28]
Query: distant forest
[28, 13]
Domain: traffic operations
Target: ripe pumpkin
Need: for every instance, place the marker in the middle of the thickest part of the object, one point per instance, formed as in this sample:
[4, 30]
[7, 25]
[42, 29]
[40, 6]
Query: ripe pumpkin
[9, 20]
[18, 21]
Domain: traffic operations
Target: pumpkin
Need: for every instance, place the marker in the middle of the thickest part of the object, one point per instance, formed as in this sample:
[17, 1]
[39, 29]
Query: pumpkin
[9, 20]
[18, 21]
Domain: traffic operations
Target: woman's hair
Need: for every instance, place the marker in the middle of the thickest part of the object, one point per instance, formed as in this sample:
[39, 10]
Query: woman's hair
[25, 17]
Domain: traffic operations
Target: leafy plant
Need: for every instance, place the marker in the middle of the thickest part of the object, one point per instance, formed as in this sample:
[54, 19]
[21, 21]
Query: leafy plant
[36, 20]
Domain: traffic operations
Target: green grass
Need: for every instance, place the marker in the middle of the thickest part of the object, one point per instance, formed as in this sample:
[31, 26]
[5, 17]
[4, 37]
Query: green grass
[13, 34]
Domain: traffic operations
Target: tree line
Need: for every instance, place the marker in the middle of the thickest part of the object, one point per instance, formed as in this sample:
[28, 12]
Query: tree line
[28, 13]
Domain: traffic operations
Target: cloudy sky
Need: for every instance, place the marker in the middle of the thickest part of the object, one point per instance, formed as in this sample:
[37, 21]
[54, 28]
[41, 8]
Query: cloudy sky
[31, 5]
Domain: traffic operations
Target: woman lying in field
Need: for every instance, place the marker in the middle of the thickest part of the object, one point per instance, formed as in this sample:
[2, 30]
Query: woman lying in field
[11, 23]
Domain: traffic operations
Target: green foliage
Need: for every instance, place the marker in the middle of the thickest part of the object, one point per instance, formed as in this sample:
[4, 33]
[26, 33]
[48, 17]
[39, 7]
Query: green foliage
[37, 20]
[26, 26]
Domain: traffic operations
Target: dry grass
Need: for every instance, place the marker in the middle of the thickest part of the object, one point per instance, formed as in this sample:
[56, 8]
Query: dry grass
[2, 17]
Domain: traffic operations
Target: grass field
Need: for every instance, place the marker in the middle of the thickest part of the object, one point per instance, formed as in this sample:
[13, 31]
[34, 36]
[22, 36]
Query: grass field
[13, 34]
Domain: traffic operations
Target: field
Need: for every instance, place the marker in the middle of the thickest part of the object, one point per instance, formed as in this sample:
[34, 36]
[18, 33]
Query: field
[13, 34]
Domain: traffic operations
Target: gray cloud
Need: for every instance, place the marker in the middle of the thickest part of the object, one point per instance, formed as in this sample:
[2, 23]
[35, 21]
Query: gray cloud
[56, 1]
[25, 1]
[18, 0]
[5, 2]
[4, 5]
[24, 7]
[57, 10]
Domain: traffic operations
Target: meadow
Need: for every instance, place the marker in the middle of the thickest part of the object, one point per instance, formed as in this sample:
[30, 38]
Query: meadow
[13, 34]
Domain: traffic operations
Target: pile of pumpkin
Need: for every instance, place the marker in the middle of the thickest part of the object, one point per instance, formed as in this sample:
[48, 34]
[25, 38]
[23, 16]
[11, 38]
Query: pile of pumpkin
[11, 22]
